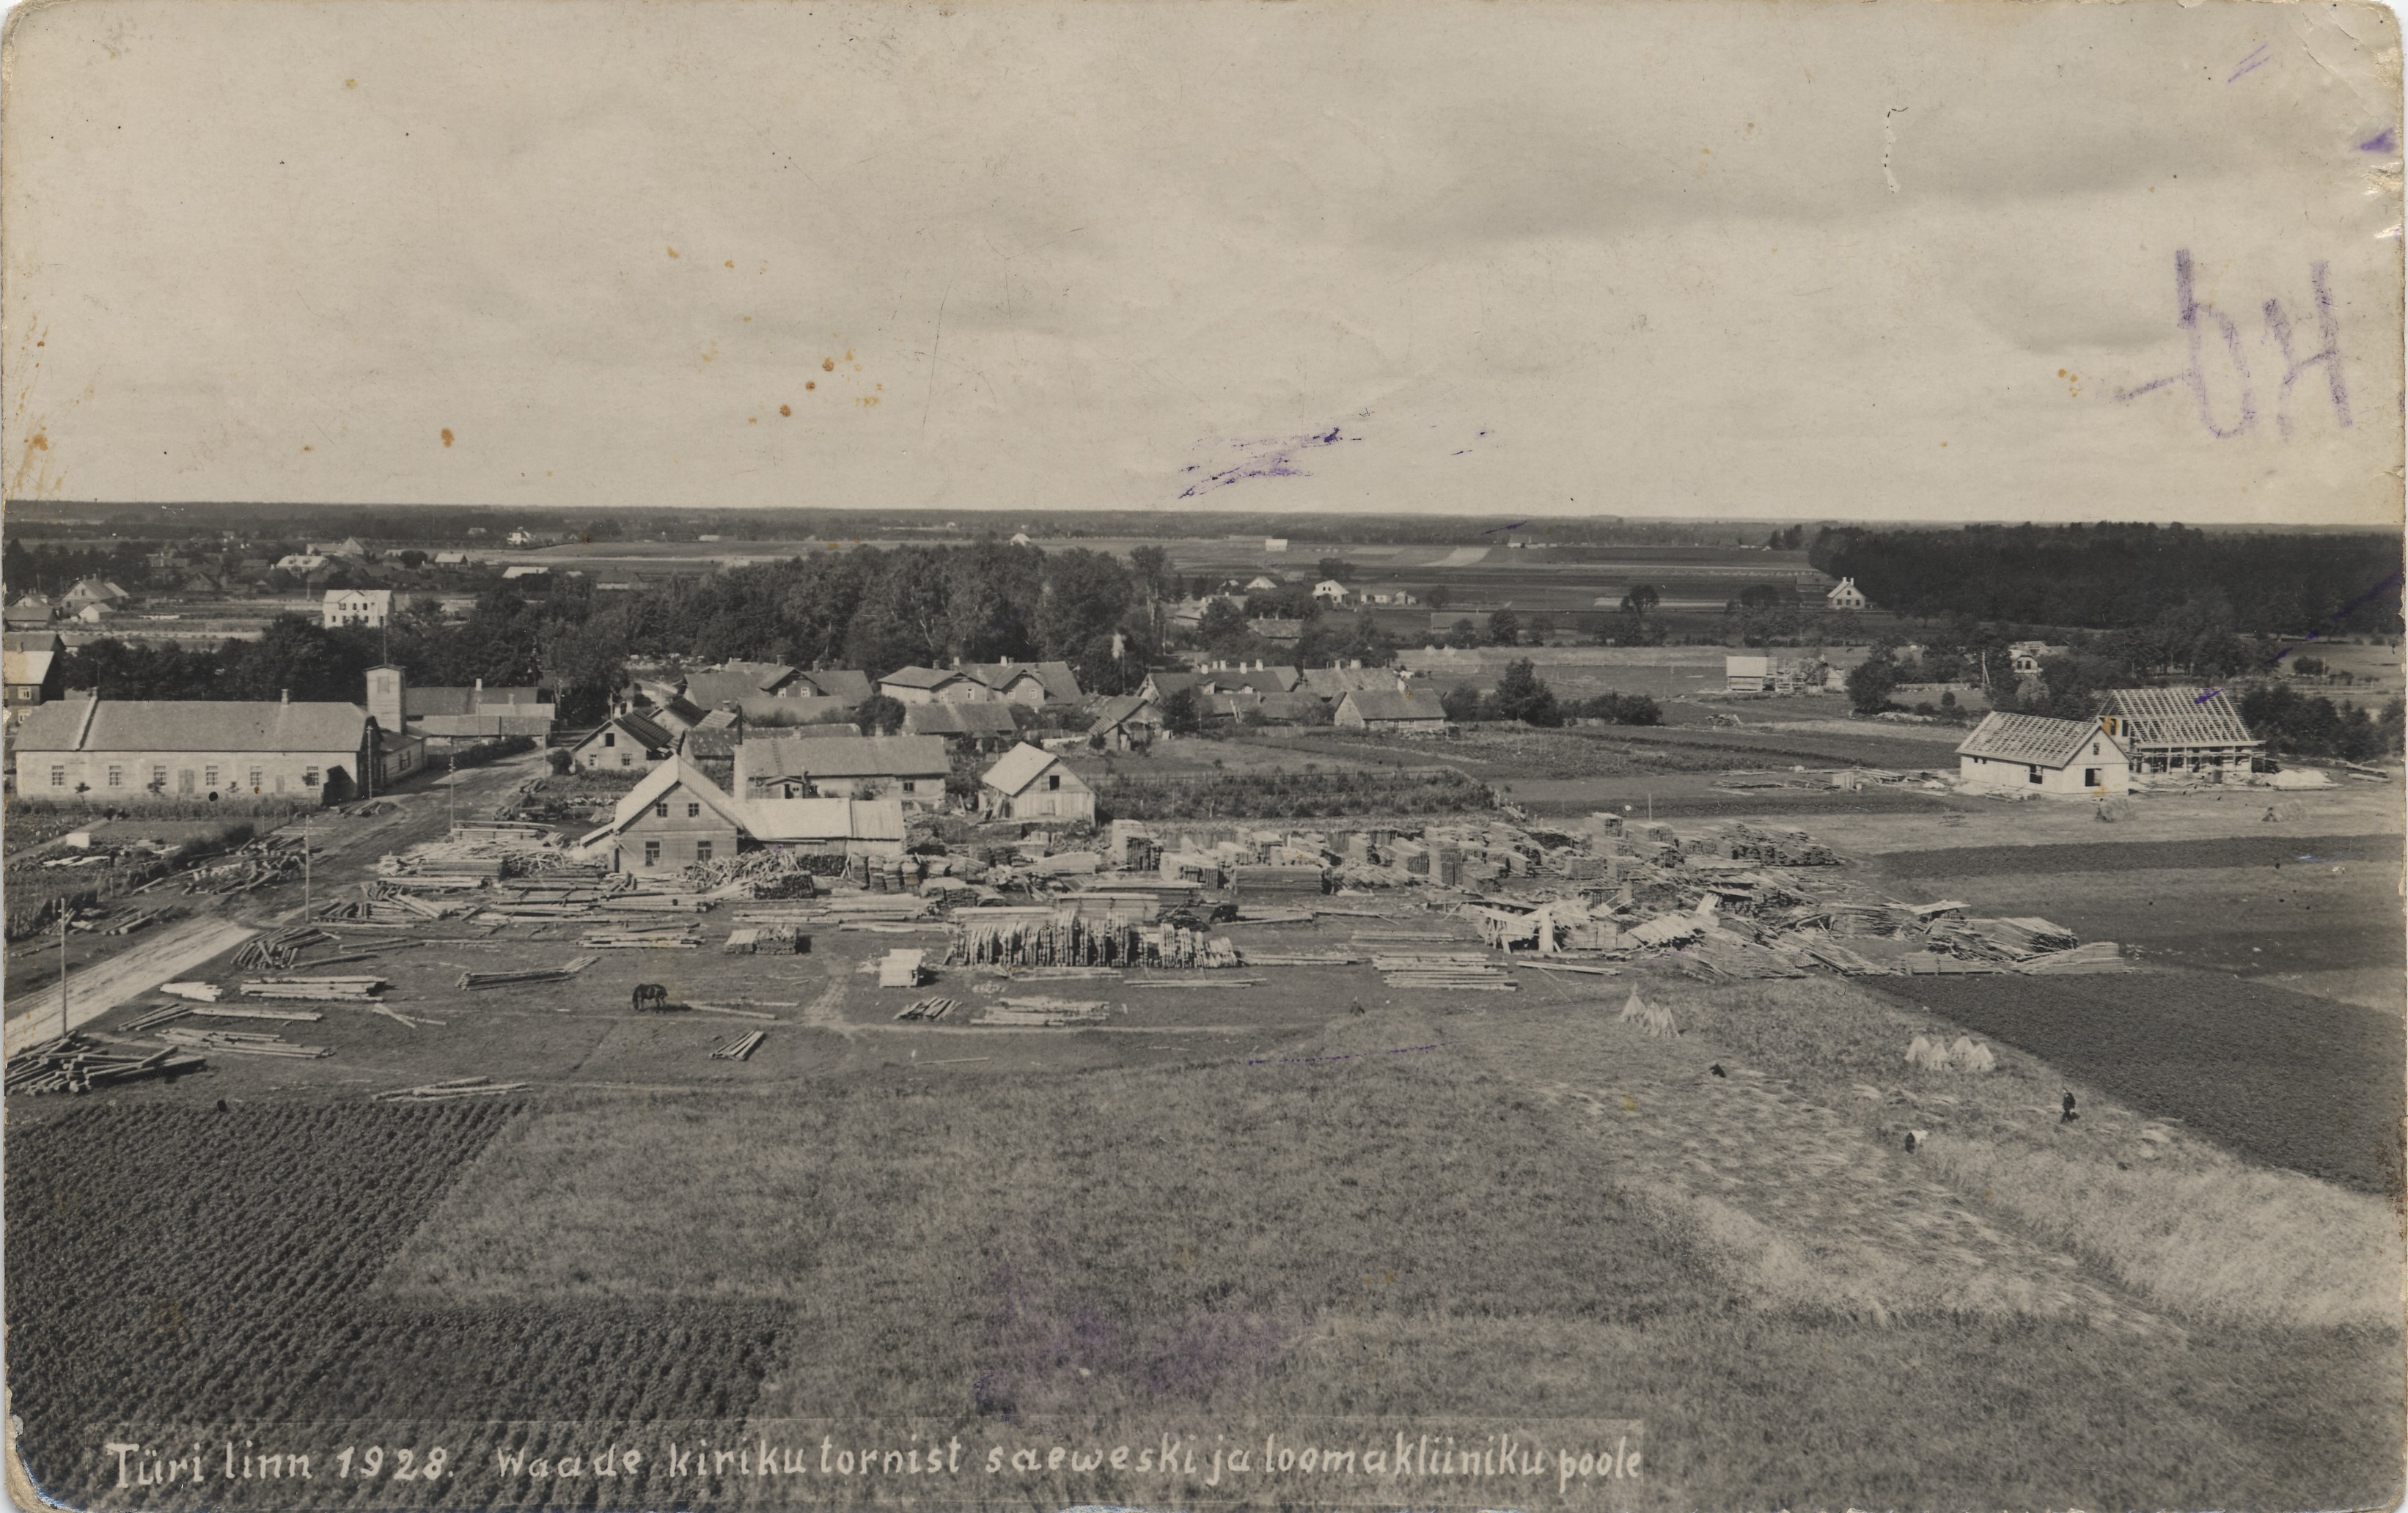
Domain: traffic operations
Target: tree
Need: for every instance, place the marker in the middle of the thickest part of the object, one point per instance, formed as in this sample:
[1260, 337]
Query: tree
[1641, 600]
[1622, 709]
[1463, 633]
[1436, 596]
[1504, 628]
[1151, 565]
[1522, 695]
[1086, 594]
[1223, 628]
[1182, 714]
[879, 715]
[1336, 567]
[1541, 628]
[1461, 703]
[1869, 683]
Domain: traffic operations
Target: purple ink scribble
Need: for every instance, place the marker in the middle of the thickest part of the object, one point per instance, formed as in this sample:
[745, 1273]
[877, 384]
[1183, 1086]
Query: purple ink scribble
[2384, 140]
[1495, 529]
[2255, 60]
[2195, 316]
[1271, 459]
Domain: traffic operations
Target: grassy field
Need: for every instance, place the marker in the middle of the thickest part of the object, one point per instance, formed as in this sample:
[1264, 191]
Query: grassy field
[1313, 1199]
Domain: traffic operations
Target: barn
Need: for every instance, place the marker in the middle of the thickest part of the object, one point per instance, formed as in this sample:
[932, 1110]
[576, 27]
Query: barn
[2182, 730]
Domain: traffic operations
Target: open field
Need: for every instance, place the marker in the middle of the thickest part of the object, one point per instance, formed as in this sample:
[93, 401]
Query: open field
[1308, 1193]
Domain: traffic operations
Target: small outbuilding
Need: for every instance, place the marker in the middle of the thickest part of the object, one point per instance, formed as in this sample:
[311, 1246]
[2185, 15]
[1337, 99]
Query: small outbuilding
[1398, 714]
[1030, 783]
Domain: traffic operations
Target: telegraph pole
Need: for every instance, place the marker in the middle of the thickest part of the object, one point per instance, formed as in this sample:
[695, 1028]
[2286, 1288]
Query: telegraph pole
[451, 791]
[305, 912]
[63, 972]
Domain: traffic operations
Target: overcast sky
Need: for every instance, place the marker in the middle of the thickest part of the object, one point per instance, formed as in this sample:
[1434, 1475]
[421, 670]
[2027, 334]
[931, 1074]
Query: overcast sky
[1749, 259]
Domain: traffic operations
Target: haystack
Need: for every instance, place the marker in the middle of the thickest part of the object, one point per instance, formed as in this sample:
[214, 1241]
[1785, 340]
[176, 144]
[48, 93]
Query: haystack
[1926, 1055]
[1653, 1018]
[1966, 1054]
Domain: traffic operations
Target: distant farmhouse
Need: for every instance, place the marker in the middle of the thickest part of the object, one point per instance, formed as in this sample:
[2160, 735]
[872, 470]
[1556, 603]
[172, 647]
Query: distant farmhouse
[357, 607]
[1847, 595]
[29, 666]
[2054, 758]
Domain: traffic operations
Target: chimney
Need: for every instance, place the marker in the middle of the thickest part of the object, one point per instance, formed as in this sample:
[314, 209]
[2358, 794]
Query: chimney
[288, 695]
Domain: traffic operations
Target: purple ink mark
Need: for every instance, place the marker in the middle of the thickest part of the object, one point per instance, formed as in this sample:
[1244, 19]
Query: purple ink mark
[2327, 356]
[1494, 529]
[1272, 459]
[2208, 694]
[2316, 634]
[1302, 1061]
[2384, 140]
[2255, 60]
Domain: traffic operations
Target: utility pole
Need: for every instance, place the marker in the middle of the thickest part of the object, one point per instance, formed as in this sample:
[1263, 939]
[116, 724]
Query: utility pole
[63, 972]
[307, 914]
[451, 792]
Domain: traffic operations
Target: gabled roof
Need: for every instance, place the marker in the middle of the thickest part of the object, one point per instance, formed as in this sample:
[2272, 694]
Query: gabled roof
[462, 700]
[1372, 704]
[929, 677]
[2034, 740]
[1126, 708]
[841, 756]
[1059, 681]
[987, 716]
[2175, 717]
[717, 690]
[30, 609]
[28, 656]
[1167, 683]
[380, 597]
[192, 725]
[1330, 682]
[851, 684]
[1253, 679]
[649, 734]
[676, 773]
[1019, 767]
[474, 726]
[708, 742]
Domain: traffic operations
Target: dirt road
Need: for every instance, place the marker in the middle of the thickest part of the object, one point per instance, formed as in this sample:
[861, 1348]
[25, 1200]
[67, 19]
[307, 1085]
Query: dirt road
[132, 971]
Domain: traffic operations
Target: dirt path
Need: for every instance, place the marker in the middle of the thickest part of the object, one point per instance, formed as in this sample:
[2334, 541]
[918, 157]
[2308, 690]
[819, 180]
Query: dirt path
[131, 972]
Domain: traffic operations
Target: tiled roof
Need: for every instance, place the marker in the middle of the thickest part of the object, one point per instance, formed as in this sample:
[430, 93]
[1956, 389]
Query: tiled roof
[1060, 682]
[192, 725]
[2177, 717]
[988, 717]
[1373, 706]
[676, 773]
[851, 684]
[2034, 740]
[841, 756]
[919, 676]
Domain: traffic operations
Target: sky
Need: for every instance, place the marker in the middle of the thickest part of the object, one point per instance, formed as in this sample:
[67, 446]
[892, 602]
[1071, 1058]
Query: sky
[1732, 258]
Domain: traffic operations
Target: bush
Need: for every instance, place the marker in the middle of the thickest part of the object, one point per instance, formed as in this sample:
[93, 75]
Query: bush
[1622, 709]
[1292, 795]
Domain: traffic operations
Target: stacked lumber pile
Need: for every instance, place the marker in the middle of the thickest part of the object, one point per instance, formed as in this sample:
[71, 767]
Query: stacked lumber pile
[1471, 971]
[281, 950]
[1780, 848]
[1044, 1013]
[77, 1063]
[471, 980]
[241, 1043]
[323, 989]
[463, 1087]
[928, 1008]
[638, 935]
[1018, 941]
[741, 1048]
[199, 993]
[140, 919]
[1280, 878]
[1263, 958]
[271, 859]
[2095, 956]
[1930, 965]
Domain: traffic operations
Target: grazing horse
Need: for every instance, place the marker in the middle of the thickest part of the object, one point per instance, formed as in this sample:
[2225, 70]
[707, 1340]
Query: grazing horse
[650, 996]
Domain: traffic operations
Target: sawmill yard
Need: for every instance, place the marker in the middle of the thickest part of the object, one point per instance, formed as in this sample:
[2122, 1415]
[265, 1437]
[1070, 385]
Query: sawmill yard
[1373, 1164]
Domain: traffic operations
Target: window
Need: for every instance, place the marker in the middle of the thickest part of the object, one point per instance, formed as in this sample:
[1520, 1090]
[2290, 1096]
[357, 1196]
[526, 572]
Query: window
[909, 786]
[2035, 774]
[662, 808]
[115, 777]
[257, 779]
[58, 776]
[609, 738]
[309, 776]
[2094, 748]
[1052, 781]
[626, 759]
[651, 853]
[208, 776]
[159, 778]
[694, 811]
[702, 851]
[2090, 777]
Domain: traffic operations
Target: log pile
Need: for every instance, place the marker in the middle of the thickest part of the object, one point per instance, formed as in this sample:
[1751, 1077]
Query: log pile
[741, 1048]
[928, 1008]
[465, 1087]
[76, 1064]
[1043, 1013]
[241, 1043]
[325, 988]
[472, 980]
[1020, 941]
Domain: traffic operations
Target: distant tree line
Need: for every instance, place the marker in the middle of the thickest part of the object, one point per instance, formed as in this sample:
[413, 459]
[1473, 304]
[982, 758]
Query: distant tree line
[2110, 576]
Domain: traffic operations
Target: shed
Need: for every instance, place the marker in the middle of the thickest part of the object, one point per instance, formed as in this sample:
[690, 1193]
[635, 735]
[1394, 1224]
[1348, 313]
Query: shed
[1031, 783]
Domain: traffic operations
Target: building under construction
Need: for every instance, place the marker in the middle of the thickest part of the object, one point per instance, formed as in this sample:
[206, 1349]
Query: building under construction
[2180, 730]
